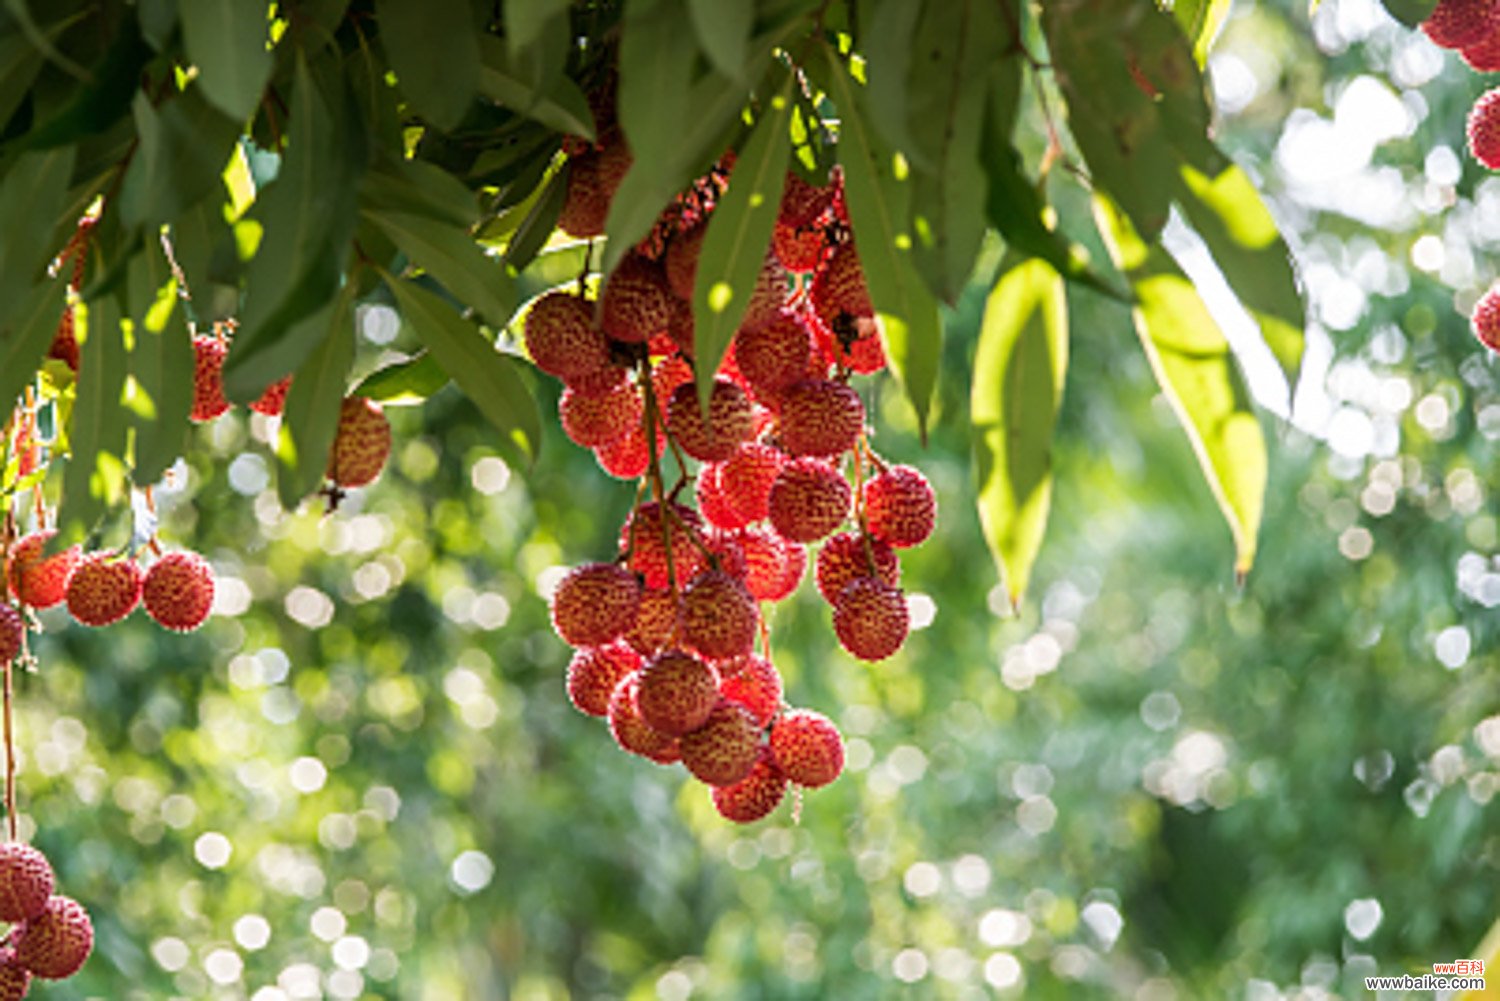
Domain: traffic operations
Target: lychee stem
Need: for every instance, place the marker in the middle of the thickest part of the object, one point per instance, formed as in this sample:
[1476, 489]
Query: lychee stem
[10, 749]
[654, 472]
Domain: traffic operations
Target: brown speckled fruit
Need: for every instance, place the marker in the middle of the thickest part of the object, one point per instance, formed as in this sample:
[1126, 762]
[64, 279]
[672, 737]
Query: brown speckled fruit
[562, 339]
[595, 672]
[808, 500]
[719, 617]
[756, 686]
[361, 445]
[754, 796]
[103, 590]
[26, 882]
[871, 619]
[631, 732]
[595, 603]
[15, 979]
[636, 302]
[820, 417]
[55, 944]
[900, 506]
[723, 750]
[1485, 320]
[730, 420]
[807, 747]
[677, 692]
[12, 633]
[179, 591]
[848, 555]
[208, 379]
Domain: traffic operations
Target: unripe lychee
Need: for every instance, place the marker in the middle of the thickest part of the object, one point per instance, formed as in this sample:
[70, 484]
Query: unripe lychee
[562, 339]
[592, 421]
[1454, 24]
[821, 418]
[55, 944]
[756, 686]
[595, 672]
[848, 555]
[273, 400]
[642, 537]
[900, 506]
[774, 355]
[754, 796]
[768, 562]
[808, 500]
[681, 262]
[871, 619]
[37, 581]
[208, 379]
[595, 604]
[103, 590]
[723, 750]
[178, 591]
[719, 617]
[1484, 129]
[361, 445]
[747, 477]
[26, 882]
[729, 423]
[15, 979]
[636, 302]
[631, 732]
[1485, 320]
[677, 692]
[807, 747]
[656, 622]
[12, 634]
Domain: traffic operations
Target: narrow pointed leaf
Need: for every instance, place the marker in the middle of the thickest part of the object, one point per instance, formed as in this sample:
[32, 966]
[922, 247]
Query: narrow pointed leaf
[161, 366]
[226, 40]
[452, 257]
[183, 147]
[433, 46]
[404, 382]
[311, 416]
[94, 478]
[32, 192]
[541, 219]
[723, 31]
[560, 106]
[25, 337]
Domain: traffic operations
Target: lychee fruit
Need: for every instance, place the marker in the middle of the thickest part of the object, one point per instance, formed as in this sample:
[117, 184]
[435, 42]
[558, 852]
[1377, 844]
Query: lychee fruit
[768, 560]
[103, 590]
[26, 882]
[273, 400]
[681, 262]
[595, 603]
[677, 692]
[726, 548]
[799, 248]
[668, 374]
[848, 555]
[64, 346]
[592, 421]
[178, 591]
[807, 748]
[774, 355]
[361, 445]
[900, 506]
[1483, 56]
[54, 944]
[595, 672]
[643, 538]
[12, 633]
[849, 341]
[711, 501]
[628, 456]
[37, 580]
[723, 750]
[871, 619]
[1484, 129]
[754, 796]
[808, 500]
[630, 731]
[729, 423]
[747, 477]
[1485, 320]
[801, 201]
[840, 287]
[681, 332]
[756, 686]
[821, 417]
[562, 339]
[208, 379]
[636, 302]
[772, 284]
[719, 617]
[656, 622]
[15, 979]
[593, 179]
[1454, 24]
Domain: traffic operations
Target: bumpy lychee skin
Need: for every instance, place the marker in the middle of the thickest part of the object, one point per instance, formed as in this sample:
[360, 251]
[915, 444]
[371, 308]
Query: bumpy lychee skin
[677, 692]
[723, 750]
[15, 979]
[807, 748]
[772, 285]
[900, 506]
[681, 262]
[592, 421]
[595, 604]
[631, 732]
[821, 417]
[848, 555]
[636, 302]
[871, 619]
[1485, 320]
[774, 355]
[725, 546]
[747, 477]
[628, 456]
[55, 944]
[361, 445]
[102, 590]
[730, 420]
[849, 341]
[756, 687]
[178, 591]
[753, 797]
[37, 581]
[208, 379]
[767, 559]
[808, 500]
[641, 536]
[273, 401]
[562, 339]
[719, 617]
[656, 623]
[711, 501]
[26, 882]
[840, 287]
[1455, 24]
[595, 672]
[593, 179]
[1484, 129]
[12, 633]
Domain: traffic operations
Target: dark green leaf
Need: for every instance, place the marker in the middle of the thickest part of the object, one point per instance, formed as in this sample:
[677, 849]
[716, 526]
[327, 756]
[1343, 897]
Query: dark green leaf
[32, 192]
[1409, 12]
[536, 228]
[161, 366]
[414, 186]
[226, 40]
[24, 339]
[434, 48]
[887, 45]
[491, 379]
[180, 157]
[656, 76]
[94, 479]
[724, 33]
[451, 256]
[1020, 366]
[525, 20]
[311, 416]
[561, 106]
[103, 101]
[405, 382]
[158, 21]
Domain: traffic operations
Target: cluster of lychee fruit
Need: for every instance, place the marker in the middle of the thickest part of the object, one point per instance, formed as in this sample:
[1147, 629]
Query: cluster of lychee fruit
[1472, 27]
[779, 458]
[50, 935]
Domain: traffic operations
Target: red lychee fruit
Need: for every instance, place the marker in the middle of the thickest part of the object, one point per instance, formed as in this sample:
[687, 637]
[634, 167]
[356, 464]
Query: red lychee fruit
[681, 261]
[747, 478]
[774, 355]
[55, 944]
[820, 417]
[848, 555]
[1454, 24]
[725, 546]
[628, 456]
[849, 341]
[562, 339]
[840, 287]
[723, 750]
[710, 494]
[799, 248]
[807, 748]
[756, 686]
[1485, 320]
[208, 379]
[900, 506]
[719, 617]
[754, 796]
[37, 581]
[12, 634]
[681, 334]
[595, 604]
[630, 730]
[668, 374]
[178, 591]
[636, 303]
[361, 445]
[592, 421]
[677, 692]
[642, 537]
[1483, 56]
[15, 979]
[1484, 129]
[802, 202]
[655, 626]
[595, 673]
[768, 560]
[598, 382]
[103, 590]
[273, 400]
[808, 500]
[871, 619]
[729, 423]
[64, 346]
[772, 285]
[593, 179]
[26, 882]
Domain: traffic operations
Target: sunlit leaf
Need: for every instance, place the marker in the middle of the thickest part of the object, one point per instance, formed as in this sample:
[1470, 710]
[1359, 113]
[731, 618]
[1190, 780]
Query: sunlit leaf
[1201, 21]
[161, 366]
[94, 478]
[404, 382]
[310, 418]
[24, 338]
[452, 257]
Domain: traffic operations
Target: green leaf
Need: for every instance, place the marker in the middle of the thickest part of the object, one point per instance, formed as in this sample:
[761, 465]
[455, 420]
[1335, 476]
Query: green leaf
[1020, 366]
[491, 379]
[183, 146]
[32, 193]
[739, 233]
[656, 76]
[419, 187]
[103, 101]
[887, 45]
[560, 106]
[1201, 21]
[25, 338]
[434, 48]
[452, 257]
[311, 416]
[94, 478]
[1409, 12]
[404, 382]
[536, 228]
[226, 40]
[160, 394]
[907, 310]
[526, 19]
[723, 31]
[1198, 376]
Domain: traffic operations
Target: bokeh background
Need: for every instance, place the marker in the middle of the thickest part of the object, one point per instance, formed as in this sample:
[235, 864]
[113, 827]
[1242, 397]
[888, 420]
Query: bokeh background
[363, 779]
